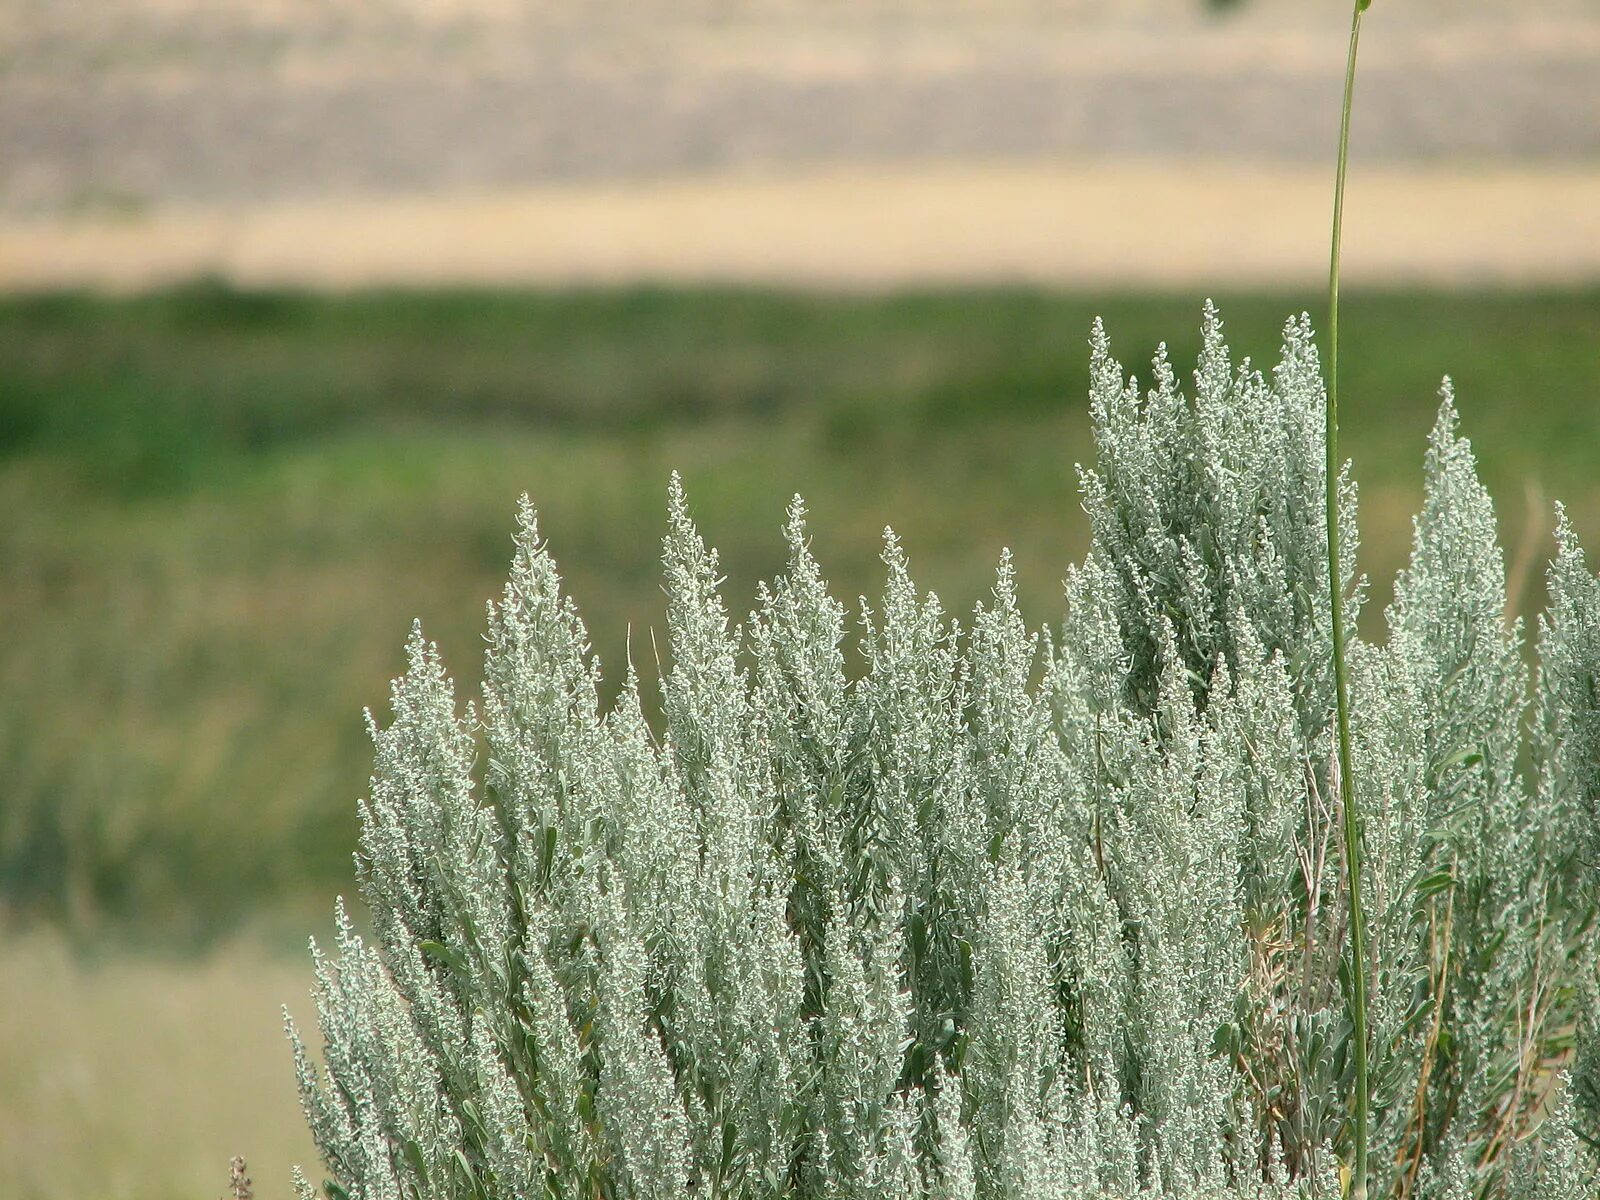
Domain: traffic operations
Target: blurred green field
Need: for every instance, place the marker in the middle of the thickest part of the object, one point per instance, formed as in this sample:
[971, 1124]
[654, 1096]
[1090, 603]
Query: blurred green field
[222, 510]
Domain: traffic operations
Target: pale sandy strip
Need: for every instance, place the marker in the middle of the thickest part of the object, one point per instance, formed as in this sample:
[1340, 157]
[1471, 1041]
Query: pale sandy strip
[1103, 225]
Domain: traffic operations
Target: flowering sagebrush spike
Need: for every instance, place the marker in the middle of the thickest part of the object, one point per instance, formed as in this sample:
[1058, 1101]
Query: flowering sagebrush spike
[947, 913]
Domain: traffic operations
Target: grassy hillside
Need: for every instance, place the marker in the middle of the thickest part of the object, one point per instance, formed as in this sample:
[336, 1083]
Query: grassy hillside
[223, 510]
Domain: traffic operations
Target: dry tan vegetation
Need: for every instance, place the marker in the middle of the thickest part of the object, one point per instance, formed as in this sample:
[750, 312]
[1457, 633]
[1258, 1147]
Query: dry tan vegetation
[1102, 225]
[126, 1077]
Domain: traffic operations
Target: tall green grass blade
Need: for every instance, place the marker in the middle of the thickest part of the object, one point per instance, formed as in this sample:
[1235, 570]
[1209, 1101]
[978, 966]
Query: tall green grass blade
[1351, 816]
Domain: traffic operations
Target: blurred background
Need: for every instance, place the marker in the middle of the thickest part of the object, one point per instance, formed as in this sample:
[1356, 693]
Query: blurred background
[298, 296]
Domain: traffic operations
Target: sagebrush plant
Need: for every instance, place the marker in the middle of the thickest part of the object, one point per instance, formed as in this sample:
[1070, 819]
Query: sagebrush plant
[933, 909]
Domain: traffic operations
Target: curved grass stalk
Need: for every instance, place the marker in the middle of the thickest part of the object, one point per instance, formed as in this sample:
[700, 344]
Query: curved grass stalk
[1361, 1104]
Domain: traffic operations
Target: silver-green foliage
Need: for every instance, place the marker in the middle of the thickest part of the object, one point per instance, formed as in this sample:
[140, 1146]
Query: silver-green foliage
[935, 911]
